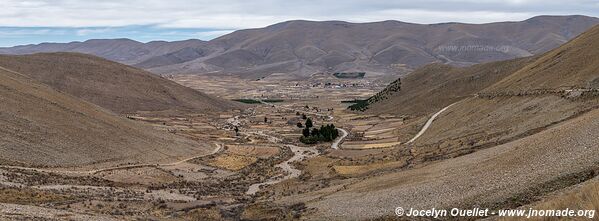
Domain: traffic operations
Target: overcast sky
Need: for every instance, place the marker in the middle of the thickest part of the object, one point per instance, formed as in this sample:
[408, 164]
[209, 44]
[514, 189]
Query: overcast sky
[35, 21]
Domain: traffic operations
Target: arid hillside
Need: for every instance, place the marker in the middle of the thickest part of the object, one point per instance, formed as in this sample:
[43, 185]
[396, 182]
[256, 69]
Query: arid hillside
[504, 176]
[505, 146]
[44, 127]
[497, 102]
[575, 66]
[125, 51]
[111, 85]
[435, 86]
[302, 48]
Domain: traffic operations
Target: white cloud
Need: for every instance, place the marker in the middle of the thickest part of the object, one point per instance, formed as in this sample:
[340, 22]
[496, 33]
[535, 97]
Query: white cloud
[212, 34]
[238, 14]
[88, 31]
[29, 32]
[424, 16]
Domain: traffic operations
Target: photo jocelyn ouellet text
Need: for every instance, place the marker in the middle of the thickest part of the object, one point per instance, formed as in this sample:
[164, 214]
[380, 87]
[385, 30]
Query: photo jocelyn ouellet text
[486, 212]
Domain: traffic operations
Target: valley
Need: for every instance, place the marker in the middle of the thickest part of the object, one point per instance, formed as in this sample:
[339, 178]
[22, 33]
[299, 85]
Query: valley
[263, 171]
[244, 173]
[305, 120]
[244, 168]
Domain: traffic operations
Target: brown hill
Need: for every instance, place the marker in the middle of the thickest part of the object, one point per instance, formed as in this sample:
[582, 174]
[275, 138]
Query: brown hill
[43, 127]
[503, 176]
[114, 86]
[574, 65]
[125, 51]
[555, 87]
[435, 86]
[537, 136]
[305, 47]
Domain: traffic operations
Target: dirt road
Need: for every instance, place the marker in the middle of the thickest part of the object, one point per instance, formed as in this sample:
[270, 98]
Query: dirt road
[335, 144]
[299, 154]
[428, 123]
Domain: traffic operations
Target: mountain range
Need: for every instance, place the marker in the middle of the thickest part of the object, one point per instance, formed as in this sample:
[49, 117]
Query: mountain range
[302, 48]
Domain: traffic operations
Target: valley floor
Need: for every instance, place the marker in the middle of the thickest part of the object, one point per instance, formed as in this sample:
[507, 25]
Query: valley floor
[263, 172]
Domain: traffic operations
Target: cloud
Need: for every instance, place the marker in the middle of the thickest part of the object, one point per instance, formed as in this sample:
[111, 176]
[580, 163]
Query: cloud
[212, 34]
[89, 31]
[24, 32]
[426, 16]
[146, 20]
[237, 14]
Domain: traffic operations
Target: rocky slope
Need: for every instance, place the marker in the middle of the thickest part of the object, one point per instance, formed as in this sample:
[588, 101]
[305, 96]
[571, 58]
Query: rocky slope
[435, 86]
[527, 134]
[44, 127]
[499, 101]
[117, 87]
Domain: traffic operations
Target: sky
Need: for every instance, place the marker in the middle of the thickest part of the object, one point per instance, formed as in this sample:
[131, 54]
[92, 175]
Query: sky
[35, 21]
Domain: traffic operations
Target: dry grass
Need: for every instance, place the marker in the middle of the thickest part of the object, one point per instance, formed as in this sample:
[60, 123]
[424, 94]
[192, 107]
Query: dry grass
[139, 175]
[203, 214]
[263, 212]
[371, 146]
[232, 162]
[377, 132]
[435, 86]
[319, 167]
[43, 127]
[585, 197]
[111, 85]
[30, 196]
[364, 169]
[253, 151]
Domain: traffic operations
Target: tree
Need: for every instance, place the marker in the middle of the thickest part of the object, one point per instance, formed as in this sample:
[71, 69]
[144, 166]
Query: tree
[309, 123]
[306, 132]
[326, 133]
[236, 131]
[300, 125]
[265, 120]
[304, 116]
[297, 113]
[315, 132]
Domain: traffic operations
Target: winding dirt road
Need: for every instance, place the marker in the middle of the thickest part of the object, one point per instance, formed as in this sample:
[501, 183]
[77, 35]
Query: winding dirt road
[299, 154]
[428, 123]
[335, 144]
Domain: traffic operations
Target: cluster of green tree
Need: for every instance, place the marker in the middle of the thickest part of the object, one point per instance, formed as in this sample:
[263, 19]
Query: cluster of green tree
[253, 101]
[354, 101]
[362, 105]
[326, 133]
[349, 74]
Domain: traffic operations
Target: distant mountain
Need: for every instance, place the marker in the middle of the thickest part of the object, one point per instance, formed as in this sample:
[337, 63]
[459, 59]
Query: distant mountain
[117, 87]
[306, 47]
[570, 68]
[536, 119]
[533, 93]
[573, 66]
